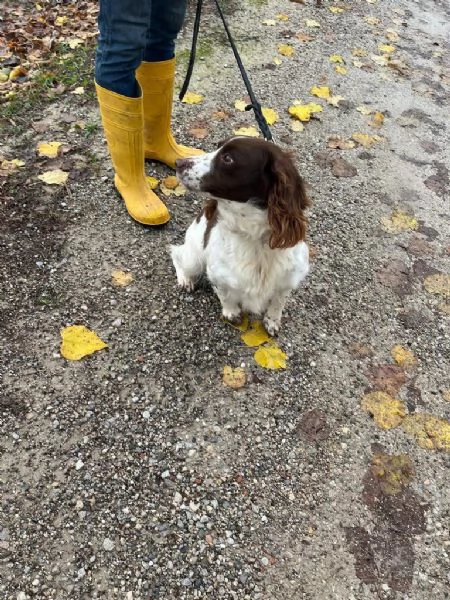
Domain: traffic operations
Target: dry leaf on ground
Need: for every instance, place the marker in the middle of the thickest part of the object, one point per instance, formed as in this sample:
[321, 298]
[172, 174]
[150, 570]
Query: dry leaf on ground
[234, 378]
[54, 177]
[439, 284]
[320, 91]
[286, 49]
[256, 335]
[270, 115]
[270, 356]
[389, 378]
[121, 278]
[338, 143]
[246, 131]
[49, 149]
[393, 472]
[192, 98]
[304, 112]
[153, 182]
[387, 412]
[366, 140]
[398, 222]
[79, 341]
[403, 357]
[240, 105]
[431, 433]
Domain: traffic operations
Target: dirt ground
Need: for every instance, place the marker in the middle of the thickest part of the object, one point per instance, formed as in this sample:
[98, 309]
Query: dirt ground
[135, 473]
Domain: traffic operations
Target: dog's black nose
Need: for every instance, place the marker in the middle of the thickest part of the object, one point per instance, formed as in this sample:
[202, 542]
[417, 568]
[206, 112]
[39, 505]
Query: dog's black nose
[182, 164]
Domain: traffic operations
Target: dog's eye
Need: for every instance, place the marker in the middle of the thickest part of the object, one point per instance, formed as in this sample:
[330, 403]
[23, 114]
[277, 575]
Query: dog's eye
[227, 158]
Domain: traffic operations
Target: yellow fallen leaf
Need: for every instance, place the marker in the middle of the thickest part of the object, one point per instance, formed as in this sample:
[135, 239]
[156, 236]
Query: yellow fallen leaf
[170, 182]
[377, 120]
[121, 278]
[444, 308]
[78, 91]
[269, 22]
[246, 131]
[271, 115]
[380, 60]
[234, 378]
[240, 105]
[17, 72]
[392, 471]
[49, 149]
[282, 17]
[55, 177]
[387, 48]
[297, 126]
[336, 9]
[431, 433]
[303, 112]
[153, 182]
[336, 142]
[10, 165]
[60, 21]
[398, 222]
[286, 49]
[271, 356]
[387, 412]
[392, 35]
[277, 60]
[372, 20]
[438, 284]
[365, 140]
[403, 357]
[79, 341]
[256, 335]
[192, 98]
[359, 52]
[312, 23]
[341, 70]
[334, 100]
[336, 58]
[320, 92]
[75, 42]
[178, 190]
[364, 110]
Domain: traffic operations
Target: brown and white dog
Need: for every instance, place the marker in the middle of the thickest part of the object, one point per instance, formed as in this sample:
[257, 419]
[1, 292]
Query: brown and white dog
[249, 240]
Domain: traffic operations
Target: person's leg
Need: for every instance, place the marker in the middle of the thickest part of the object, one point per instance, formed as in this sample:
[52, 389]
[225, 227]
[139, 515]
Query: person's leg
[156, 78]
[123, 36]
[166, 21]
[124, 28]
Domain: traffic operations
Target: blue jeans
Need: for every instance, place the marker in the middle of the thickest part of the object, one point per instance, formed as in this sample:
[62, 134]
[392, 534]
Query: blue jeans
[132, 31]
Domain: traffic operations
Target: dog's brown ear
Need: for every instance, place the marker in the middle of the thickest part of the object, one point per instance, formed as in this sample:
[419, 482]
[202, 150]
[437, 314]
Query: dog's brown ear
[287, 203]
[222, 142]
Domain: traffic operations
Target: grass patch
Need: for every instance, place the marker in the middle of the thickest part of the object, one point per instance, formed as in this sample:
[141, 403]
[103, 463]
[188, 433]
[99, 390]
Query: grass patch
[66, 68]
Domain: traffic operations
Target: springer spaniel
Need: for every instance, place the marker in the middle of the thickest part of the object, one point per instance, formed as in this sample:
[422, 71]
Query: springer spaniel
[249, 239]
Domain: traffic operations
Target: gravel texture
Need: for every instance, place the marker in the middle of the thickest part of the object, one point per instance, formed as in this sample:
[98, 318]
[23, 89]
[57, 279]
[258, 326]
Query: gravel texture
[135, 473]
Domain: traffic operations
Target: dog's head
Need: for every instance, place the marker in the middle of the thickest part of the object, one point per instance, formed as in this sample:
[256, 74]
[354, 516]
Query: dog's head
[256, 172]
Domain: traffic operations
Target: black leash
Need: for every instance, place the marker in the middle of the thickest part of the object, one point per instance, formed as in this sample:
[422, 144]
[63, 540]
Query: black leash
[255, 105]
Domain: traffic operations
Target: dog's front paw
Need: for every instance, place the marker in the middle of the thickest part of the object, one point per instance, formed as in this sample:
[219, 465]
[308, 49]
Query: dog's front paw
[271, 325]
[185, 282]
[233, 317]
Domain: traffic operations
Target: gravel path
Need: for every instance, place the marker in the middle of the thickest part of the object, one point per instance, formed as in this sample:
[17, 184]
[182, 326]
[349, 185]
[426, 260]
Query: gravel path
[136, 473]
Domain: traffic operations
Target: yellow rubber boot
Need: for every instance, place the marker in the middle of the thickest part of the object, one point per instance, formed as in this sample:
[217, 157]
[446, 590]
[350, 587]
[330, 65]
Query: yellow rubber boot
[123, 124]
[157, 81]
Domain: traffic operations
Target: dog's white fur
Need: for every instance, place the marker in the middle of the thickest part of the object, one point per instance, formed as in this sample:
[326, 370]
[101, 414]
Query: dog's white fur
[245, 272]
